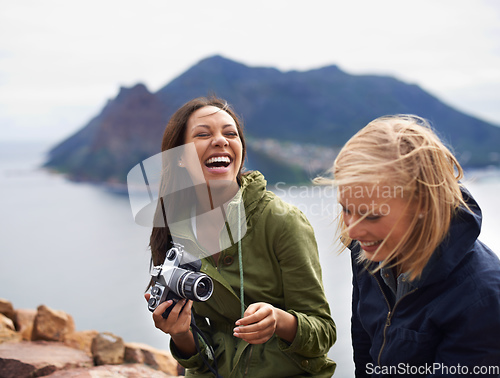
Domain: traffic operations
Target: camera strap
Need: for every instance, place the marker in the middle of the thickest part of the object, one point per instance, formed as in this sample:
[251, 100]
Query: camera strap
[196, 331]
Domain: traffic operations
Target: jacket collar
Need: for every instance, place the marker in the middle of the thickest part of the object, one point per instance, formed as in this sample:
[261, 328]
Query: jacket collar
[464, 230]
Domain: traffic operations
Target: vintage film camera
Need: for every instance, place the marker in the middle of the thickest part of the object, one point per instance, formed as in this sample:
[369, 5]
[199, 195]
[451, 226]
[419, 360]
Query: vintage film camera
[173, 280]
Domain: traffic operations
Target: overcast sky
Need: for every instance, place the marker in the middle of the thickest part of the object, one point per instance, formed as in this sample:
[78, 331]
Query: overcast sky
[61, 60]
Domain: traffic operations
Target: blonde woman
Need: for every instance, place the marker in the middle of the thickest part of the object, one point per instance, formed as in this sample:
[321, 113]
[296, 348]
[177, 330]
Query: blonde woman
[426, 291]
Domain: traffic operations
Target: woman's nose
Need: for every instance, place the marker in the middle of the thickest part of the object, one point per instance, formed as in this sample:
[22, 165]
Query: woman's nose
[219, 140]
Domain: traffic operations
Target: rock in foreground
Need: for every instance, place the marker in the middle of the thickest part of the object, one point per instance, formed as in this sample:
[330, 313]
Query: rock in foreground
[39, 358]
[44, 343]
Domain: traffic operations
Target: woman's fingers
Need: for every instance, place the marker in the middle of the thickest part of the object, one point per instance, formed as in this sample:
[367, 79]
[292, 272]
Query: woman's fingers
[178, 320]
[257, 325]
[158, 312]
[255, 313]
[257, 337]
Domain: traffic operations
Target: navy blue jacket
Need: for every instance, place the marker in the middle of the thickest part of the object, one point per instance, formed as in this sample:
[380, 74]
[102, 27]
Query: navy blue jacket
[448, 325]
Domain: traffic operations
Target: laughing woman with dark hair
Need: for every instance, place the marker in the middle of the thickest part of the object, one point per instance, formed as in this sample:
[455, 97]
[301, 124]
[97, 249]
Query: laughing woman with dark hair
[268, 315]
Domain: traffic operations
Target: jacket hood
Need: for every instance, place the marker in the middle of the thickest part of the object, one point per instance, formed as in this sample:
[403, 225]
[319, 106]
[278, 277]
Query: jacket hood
[253, 184]
[464, 230]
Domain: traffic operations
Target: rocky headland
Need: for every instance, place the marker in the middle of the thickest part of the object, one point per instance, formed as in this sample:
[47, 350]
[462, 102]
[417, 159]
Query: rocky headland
[44, 342]
[295, 121]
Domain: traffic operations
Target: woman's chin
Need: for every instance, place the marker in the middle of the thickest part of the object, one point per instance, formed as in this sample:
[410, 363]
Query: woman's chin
[373, 254]
[219, 174]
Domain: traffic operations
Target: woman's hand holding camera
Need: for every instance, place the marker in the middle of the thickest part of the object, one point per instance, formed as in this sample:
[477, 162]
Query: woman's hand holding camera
[262, 320]
[176, 324]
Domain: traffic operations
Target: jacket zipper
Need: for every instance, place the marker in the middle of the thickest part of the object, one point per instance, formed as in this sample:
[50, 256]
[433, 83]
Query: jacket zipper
[390, 314]
[388, 320]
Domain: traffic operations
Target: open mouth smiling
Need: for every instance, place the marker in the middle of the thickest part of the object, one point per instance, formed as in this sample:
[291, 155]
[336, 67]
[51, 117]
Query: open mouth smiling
[369, 244]
[218, 162]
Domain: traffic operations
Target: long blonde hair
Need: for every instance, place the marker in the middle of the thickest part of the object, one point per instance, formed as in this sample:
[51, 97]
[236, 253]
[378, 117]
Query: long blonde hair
[404, 151]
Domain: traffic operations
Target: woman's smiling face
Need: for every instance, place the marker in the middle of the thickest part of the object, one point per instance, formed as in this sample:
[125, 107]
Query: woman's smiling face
[377, 222]
[217, 142]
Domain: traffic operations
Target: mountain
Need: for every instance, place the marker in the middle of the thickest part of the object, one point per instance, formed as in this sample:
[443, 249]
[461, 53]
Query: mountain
[127, 130]
[322, 107]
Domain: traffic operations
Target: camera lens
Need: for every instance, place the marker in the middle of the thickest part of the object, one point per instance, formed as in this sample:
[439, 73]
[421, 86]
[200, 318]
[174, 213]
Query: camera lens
[203, 288]
[196, 286]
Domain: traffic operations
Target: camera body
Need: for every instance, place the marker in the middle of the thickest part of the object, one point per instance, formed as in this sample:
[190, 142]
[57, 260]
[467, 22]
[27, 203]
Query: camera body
[173, 280]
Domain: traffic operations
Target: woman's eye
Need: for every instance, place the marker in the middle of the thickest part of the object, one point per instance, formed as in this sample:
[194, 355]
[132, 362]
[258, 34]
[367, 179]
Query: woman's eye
[372, 217]
[202, 135]
[232, 134]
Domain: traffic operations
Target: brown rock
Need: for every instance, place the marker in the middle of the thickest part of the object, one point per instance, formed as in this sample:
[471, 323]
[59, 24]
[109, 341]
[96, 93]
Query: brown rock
[81, 340]
[7, 309]
[7, 330]
[15, 369]
[6, 322]
[9, 336]
[108, 349]
[35, 359]
[51, 325]
[145, 354]
[24, 322]
[112, 371]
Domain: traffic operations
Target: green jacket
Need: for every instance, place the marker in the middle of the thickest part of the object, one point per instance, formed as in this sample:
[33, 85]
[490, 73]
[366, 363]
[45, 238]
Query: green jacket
[280, 267]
